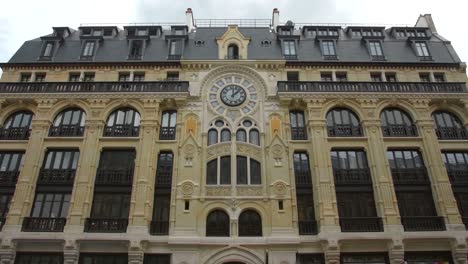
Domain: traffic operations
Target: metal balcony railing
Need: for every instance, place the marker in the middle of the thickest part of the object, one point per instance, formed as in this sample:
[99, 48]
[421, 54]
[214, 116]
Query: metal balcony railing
[167, 133]
[345, 131]
[217, 231]
[399, 131]
[458, 175]
[8, 178]
[303, 178]
[361, 224]
[374, 87]
[410, 176]
[298, 133]
[164, 177]
[61, 177]
[451, 133]
[159, 228]
[106, 225]
[114, 177]
[352, 176]
[307, 227]
[423, 223]
[43, 224]
[15, 133]
[122, 131]
[66, 131]
[95, 87]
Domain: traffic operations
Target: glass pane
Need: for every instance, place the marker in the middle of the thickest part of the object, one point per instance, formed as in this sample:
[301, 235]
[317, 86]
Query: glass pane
[343, 160]
[66, 160]
[241, 170]
[57, 160]
[211, 172]
[400, 162]
[76, 156]
[129, 117]
[241, 136]
[352, 160]
[14, 162]
[173, 119]
[225, 135]
[254, 137]
[6, 159]
[110, 121]
[391, 159]
[58, 119]
[67, 117]
[212, 137]
[225, 170]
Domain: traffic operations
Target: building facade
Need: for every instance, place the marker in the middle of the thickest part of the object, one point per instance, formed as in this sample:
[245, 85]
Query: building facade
[254, 143]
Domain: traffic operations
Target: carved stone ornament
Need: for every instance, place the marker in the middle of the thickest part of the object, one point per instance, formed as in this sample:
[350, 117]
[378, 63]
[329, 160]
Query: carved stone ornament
[219, 149]
[189, 150]
[218, 191]
[277, 151]
[248, 150]
[187, 188]
[279, 188]
[250, 191]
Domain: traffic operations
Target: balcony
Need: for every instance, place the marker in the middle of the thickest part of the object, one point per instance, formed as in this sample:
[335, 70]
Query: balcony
[345, 131]
[122, 131]
[361, 224]
[167, 133]
[303, 178]
[371, 87]
[96, 87]
[14, 133]
[8, 178]
[423, 223]
[114, 177]
[352, 176]
[43, 224]
[410, 176]
[159, 228]
[57, 177]
[451, 133]
[66, 131]
[399, 131]
[307, 227]
[298, 133]
[164, 177]
[106, 225]
[458, 175]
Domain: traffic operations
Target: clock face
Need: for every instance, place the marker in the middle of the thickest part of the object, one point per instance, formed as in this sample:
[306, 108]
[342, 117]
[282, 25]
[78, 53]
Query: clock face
[233, 95]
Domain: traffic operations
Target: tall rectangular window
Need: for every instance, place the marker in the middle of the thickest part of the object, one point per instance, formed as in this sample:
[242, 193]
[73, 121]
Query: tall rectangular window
[298, 129]
[304, 194]
[88, 49]
[48, 49]
[25, 77]
[164, 169]
[136, 49]
[289, 48]
[241, 170]
[51, 205]
[421, 49]
[168, 125]
[175, 47]
[375, 48]
[328, 48]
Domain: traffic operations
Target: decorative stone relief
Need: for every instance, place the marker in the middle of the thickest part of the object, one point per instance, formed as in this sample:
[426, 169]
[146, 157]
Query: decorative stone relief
[187, 188]
[279, 188]
[219, 149]
[275, 124]
[218, 191]
[277, 151]
[248, 150]
[249, 190]
[191, 126]
[234, 203]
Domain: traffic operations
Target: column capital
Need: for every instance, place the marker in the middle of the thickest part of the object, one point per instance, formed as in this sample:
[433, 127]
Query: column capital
[45, 102]
[396, 251]
[460, 250]
[71, 252]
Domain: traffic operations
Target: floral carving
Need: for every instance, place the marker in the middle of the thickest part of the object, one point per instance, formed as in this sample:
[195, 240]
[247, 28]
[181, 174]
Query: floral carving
[250, 191]
[218, 191]
[187, 188]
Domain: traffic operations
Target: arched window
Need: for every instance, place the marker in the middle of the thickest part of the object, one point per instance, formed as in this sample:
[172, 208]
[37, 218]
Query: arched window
[17, 126]
[217, 224]
[212, 137]
[123, 122]
[248, 171]
[397, 123]
[254, 137]
[241, 136]
[224, 175]
[342, 122]
[225, 135]
[449, 126]
[68, 123]
[250, 224]
[233, 52]
[168, 125]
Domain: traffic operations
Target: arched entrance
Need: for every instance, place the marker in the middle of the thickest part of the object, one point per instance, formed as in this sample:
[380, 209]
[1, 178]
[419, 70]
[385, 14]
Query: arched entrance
[234, 255]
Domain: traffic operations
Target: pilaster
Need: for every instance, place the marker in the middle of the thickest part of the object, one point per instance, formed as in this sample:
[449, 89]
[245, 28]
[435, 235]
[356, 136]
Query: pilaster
[135, 253]
[331, 250]
[396, 251]
[71, 252]
[7, 251]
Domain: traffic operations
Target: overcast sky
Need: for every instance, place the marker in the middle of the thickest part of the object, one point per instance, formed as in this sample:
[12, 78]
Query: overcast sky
[21, 20]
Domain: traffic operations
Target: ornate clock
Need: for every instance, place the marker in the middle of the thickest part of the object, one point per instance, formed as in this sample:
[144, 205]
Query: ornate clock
[233, 95]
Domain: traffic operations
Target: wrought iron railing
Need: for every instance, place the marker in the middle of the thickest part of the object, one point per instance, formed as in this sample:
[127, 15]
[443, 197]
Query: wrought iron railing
[106, 225]
[307, 227]
[8, 178]
[458, 175]
[43, 224]
[361, 224]
[423, 223]
[298, 133]
[451, 133]
[345, 131]
[114, 177]
[15, 133]
[410, 176]
[399, 131]
[122, 131]
[375, 87]
[164, 177]
[59, 176]
[250, 230]
[159, 228]
[217, 231]
[167, 133]
[303, 178]
[352, 176]
[95, 87]
[66, 131]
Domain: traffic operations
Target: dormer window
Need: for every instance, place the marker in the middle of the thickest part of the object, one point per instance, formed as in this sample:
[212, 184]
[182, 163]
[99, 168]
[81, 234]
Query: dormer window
[366, 31]
[86, 32]
[328, 50]
[422, 50]
[409, 32]
[375, 50]
[136, 50]
[97, 32]
[88, 50]
[175, 49]
[289, 50]
[47, 51]
[233, 52]
[108, 32]
[142, 32]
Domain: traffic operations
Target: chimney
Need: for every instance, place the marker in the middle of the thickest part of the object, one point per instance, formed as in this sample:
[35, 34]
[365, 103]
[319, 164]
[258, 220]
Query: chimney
[275, 19]
[426, 21]
[189, 19]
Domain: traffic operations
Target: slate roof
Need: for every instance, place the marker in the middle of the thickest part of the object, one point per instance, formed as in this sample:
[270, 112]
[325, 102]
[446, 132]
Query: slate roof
[349, 49]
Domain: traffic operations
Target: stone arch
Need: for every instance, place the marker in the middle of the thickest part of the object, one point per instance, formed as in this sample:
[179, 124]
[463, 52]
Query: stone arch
[9, 110]
[402, 105]
[63, 105]
[454, 109]
[347, 104]
[233, 254]
[255, 206]
[111, 107]
[203, 215]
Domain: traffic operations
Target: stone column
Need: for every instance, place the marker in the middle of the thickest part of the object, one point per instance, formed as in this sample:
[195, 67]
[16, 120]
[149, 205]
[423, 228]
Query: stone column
[331, 249]
[135, 253]
[24, 194]
[396, 251]
[143, 186]
[384, 192]
[322, 178]
[82, 196]
[71, 252]
[441, 187]
[7, 251]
